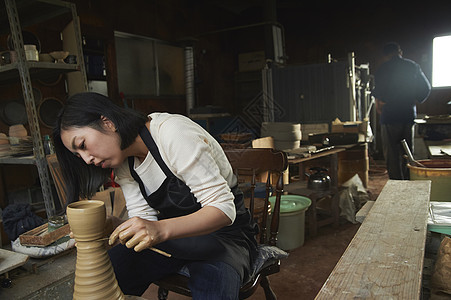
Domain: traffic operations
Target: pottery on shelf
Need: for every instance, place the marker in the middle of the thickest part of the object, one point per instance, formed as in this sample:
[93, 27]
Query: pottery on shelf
[46, 57]
[4, 143]
[31, 53]
[4, 139]
[59, 56]
[17, 130]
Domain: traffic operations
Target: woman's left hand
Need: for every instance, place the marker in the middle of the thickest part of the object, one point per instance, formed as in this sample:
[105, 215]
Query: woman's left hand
[137, 233]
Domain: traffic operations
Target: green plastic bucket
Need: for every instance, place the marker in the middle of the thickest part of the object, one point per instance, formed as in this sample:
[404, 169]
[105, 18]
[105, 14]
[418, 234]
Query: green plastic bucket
[292, 220]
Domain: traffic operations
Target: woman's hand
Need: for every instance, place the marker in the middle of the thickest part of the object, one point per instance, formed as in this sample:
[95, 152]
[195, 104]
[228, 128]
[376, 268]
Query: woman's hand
[138, 233]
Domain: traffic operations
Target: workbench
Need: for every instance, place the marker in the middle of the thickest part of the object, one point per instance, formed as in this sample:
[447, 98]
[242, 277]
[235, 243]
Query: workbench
[331, 215]
[385, 258]
[331, 154]
[43, 278]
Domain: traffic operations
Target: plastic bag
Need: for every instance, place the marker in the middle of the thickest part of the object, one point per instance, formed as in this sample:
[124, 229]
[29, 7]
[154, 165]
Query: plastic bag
[441, 278]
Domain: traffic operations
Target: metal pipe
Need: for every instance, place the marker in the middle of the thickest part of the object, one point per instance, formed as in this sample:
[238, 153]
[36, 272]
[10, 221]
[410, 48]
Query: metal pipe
[240, 27]
[189, 78]
[352, 96]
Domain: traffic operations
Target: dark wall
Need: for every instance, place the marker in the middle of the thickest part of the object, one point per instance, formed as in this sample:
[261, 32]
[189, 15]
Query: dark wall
[315, 30]
[223, 29]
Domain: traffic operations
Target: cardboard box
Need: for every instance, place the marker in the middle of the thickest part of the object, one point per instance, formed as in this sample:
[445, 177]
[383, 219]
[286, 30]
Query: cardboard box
[349, 127]
[251, 61]
[316, 128]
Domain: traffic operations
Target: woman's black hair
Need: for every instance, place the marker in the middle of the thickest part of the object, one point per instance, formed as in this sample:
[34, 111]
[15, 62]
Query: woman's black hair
[85, 110]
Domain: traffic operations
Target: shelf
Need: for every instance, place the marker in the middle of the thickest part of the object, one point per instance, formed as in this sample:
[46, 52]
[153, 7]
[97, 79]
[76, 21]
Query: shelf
[37, 70]
[33, 11]
[14, 16]
[20, 160]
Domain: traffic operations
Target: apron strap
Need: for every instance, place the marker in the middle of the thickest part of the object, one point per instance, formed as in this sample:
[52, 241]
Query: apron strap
[152, 146]
[131, 166]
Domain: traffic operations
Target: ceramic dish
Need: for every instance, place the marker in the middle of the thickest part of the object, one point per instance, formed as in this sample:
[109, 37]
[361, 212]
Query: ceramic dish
[48, 111]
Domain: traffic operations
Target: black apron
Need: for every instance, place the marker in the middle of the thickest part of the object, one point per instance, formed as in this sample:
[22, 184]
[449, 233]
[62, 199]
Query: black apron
[234, 244]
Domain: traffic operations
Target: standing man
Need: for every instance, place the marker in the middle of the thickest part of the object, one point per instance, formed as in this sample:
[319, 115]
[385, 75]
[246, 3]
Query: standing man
[399, 85]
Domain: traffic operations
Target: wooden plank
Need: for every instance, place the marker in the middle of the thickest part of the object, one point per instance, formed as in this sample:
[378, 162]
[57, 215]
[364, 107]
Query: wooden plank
[10, 260]
[385, 258]
[363, 212]
[442, 151]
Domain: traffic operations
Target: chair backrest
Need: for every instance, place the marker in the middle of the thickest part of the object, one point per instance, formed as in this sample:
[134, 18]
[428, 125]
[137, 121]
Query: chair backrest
[247, 165]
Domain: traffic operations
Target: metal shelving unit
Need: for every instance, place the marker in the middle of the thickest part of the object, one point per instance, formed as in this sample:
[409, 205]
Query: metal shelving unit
[36, 69]
[18, 13]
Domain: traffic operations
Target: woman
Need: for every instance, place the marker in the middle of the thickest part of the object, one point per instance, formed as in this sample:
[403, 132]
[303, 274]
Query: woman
[180, 192]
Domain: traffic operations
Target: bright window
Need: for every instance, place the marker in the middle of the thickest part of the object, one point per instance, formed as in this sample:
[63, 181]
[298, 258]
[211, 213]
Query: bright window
[441, 61]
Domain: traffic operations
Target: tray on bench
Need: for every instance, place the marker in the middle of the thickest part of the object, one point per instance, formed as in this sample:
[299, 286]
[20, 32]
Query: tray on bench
[41, 237]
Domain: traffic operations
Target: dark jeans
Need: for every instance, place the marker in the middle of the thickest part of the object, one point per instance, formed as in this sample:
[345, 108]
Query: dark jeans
[392, 135]
[135, 271]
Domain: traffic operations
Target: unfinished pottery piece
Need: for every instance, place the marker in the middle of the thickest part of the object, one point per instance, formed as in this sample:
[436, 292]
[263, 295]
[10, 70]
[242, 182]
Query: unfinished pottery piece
[94, 274]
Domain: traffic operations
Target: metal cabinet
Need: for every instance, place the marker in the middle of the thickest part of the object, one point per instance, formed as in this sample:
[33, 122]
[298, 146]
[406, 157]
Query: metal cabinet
[316, 93]
[14, 15]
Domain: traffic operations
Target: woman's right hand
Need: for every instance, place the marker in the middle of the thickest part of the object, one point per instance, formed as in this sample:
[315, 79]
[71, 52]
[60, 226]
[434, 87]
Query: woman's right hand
[111, 223]
[138, 234]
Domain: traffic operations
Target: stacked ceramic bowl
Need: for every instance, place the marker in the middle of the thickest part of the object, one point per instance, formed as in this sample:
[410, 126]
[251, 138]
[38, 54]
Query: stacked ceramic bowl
[286, 135]
[21, 143]
[4, 145]
[18, 131]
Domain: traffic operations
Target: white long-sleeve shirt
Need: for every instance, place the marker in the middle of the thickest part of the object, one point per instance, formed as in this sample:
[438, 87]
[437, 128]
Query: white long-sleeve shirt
[192, 155]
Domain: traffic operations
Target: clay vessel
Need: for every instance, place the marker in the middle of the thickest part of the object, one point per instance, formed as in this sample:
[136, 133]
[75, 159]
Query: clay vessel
[94, 275]
[17, 130]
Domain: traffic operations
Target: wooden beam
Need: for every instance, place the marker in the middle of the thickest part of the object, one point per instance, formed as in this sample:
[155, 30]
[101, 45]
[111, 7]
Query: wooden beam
[385, 258]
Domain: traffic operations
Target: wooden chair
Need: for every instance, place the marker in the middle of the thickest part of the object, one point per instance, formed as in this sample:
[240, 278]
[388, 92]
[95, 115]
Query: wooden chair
[113, 196]
[58, 180]
[254, 161]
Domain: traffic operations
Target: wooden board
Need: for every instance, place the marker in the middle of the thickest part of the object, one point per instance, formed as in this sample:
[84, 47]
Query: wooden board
[40, 237]
[10, 260]
[114, 202]
[435, 150]
[363, 212]
[385, 258]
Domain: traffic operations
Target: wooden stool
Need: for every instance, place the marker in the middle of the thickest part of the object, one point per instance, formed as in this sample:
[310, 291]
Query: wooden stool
[300, 188]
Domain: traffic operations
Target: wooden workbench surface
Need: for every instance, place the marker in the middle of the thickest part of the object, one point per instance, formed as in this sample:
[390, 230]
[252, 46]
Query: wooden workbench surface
[385, 258]
[10, 260]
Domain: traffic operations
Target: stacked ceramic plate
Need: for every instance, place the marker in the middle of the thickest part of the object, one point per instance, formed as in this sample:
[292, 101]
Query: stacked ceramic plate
[286, 135]
[21, 144]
